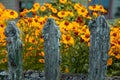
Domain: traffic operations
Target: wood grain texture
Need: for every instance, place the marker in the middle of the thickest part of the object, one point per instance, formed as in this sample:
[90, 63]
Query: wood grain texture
[99, 47]
[14, 48]
[51, 35]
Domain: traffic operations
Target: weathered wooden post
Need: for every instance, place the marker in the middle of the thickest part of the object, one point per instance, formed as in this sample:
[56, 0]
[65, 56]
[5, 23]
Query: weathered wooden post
[51, 35]
[14, 48]
[99, 47]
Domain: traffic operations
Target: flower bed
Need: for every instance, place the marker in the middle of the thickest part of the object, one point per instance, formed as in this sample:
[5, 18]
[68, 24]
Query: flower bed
[72, 18]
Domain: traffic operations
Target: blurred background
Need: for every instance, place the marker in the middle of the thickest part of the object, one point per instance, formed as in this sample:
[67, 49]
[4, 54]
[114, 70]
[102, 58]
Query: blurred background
[112, 6]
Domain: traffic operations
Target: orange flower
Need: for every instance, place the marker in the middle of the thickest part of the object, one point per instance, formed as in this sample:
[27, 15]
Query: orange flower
[118, 56]
[109, 62]
[41, 60]
[114, 51]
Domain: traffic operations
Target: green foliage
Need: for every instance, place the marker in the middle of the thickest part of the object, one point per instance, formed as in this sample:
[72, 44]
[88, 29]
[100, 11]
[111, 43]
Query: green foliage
[3, 58]
[75, 58]
[114, 69]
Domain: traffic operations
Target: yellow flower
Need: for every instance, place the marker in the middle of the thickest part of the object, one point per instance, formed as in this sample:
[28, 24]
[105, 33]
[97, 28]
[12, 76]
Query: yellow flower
[88, 16]
[4, 52]
[62, 14]
[63, 1]
[36, 22]
[82, 11]
[66, 70]
[95, 14]
[94, 7]
[11, 14]
[36, 5]
[4, 60]
[41, 60]
[111, 51]
[67, 39]
[41, 39]
[75, 26]
[42, 8]
[55, 18]
[114, 51]
[2, 24]
[77, 6]
[109, 62]
[34, 9]
[32, 40]
[86, 36]
[118, 56]
[48, 5]
[70, 13]
[28, 54]
[30, 48]
[119, 22]
[84, 29]
[25, 10]
[54, 10]
[29, 20]
[114, 32]
[42, 21]
[2, 36]
[101, 9]
[42, 54]
[65, 26]
[22, 14]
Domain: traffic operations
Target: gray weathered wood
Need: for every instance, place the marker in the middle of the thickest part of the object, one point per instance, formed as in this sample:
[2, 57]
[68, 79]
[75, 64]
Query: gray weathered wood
[14, 48]
[51, 35]
[99, 47]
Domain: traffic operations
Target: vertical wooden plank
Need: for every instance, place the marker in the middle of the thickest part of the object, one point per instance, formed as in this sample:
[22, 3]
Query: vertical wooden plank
[14, 48]
[99, 47]
[51, 35]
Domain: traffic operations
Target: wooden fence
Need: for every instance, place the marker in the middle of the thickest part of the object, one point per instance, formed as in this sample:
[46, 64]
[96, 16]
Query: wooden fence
[98, 56]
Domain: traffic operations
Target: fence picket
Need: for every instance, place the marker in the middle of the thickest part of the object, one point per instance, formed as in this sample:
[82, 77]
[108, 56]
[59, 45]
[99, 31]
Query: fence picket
[51, 35]
[99, 47]
[14, 48]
